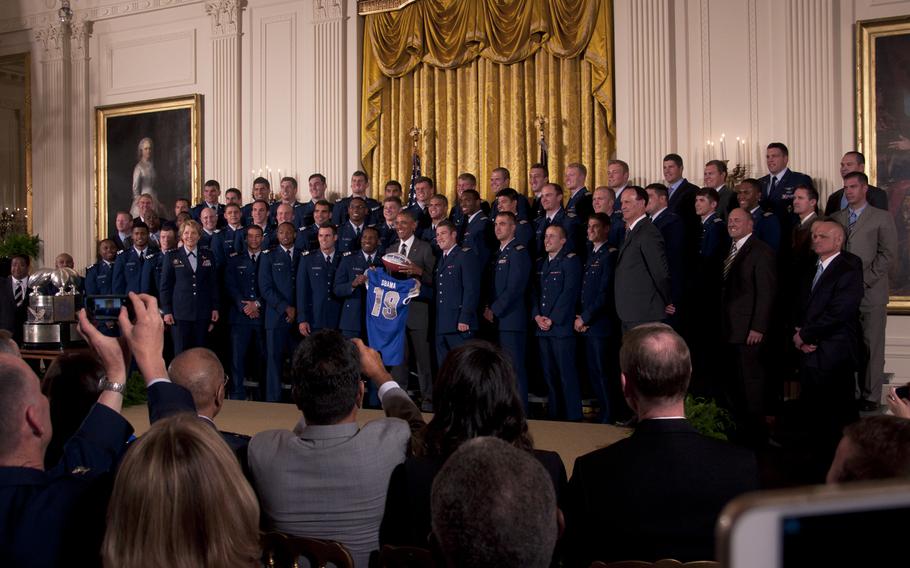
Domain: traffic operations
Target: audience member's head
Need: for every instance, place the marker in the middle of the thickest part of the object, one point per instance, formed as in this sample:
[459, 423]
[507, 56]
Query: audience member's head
[326, 378]
[475, 394]
[180, 499]
[494, 505]
[199, 371]
[25, 418]
[655, 366]
[71, 385]
[8, 344]
[873, 448]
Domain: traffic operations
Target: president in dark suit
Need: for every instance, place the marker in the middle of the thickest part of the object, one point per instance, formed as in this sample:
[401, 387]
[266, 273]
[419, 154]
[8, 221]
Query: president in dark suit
[854, 162]
[642, 290]
[747, 297]
[828, 336]
[658, 493]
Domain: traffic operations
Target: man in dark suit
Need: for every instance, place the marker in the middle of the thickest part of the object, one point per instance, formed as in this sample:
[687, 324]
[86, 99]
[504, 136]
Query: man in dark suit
[854, 162]
[658, 493]
[778, 186]
[55, 515]
[14, 296]
[458, 273]
[211, 191]
[642, 291]
[747, 297]
[716, 179]
[422, 262]
[673, 232]
[681, 193]
[828, 336]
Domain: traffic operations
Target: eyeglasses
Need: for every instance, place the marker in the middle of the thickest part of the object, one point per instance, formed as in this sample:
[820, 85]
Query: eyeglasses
[227, 379]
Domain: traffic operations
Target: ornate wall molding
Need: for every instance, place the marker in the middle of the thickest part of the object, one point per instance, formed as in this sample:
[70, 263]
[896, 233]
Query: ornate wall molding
[225, 16]
[80, 32]
[365, 7]
[108, 11]
[52, 39]
[327, 10]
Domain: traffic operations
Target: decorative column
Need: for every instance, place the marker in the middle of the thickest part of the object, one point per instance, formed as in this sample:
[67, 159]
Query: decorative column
[52, 198]
[330, 63]
[83, 211]
[225, 100]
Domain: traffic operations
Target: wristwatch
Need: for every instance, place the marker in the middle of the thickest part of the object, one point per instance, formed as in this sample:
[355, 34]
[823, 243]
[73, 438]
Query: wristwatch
[105, 384]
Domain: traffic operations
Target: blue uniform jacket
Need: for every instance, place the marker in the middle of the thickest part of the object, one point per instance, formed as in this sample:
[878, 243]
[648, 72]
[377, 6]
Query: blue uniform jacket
[780, 201]
[299, 215]
[595, 304]
[524, 233]
[568, 222]
[511, 274]
[277, 279]
[340, 211]
[617, 230]
[421, 215]
[307, 238]
[99, 278]
[556, 289]
[766, 227]
[226, 242]
[242, 284]
[457, 290]
[188, 295]
[353, 264]
[476, 236]
[316, 301]
[715, 241]
[151, 273]
[128, 270]
[348, 239]
[387, 235]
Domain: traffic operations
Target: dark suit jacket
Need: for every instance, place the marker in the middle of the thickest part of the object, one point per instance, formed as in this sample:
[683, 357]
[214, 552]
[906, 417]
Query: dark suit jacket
[642, 277]
[748, 292]
[673, 230]
[875, 196]
[58, 514]
[8, 306]
[829, 317]
[406, 521]
[656, 494]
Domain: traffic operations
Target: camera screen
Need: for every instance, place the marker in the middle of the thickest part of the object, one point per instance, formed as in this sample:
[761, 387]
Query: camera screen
[859, 538]
[106, 308]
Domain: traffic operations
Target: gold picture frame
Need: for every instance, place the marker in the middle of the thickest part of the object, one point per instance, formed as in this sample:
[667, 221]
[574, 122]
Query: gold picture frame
[170, 131]
[883, 131]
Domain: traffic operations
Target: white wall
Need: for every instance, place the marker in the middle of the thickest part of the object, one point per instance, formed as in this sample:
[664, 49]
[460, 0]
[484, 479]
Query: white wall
[281, 87]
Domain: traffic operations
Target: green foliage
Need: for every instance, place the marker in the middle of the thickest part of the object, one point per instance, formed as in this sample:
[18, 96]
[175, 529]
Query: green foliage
[135, 393]
[20, 243]
[708, 418]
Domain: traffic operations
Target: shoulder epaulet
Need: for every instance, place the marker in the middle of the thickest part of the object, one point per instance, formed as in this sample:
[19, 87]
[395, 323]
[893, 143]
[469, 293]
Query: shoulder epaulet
[570, 255]
[718, 220]
[150, 255]
[348, 253]
[216, 231]
[266, 251]
[121, 251]
[519, 247]
[301, 229]
[767, 214]
[466, 249]
[304, 253]
[90, 267]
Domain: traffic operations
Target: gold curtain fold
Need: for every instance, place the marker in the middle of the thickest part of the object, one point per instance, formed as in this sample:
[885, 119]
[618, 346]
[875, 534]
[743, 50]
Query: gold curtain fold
[472, 75]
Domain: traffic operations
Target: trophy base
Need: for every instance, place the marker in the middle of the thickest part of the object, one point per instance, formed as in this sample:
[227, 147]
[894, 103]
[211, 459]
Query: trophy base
[50, 335]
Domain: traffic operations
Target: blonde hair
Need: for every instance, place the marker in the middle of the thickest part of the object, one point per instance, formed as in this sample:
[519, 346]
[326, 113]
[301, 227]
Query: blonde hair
[180, 500]
[190, 223]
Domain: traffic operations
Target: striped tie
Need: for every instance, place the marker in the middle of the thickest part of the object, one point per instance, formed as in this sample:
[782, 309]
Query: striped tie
[851, 222]
[18, 296]
[729, 261]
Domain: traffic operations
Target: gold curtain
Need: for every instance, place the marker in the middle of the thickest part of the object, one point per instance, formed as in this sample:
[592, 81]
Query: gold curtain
[474, 75]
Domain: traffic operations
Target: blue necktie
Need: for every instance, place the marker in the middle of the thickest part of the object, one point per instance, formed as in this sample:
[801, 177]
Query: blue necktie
[852, 221]
[818, 274]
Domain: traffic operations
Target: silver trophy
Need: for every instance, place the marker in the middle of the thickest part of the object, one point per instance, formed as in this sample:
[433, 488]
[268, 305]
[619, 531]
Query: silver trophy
[52, 304]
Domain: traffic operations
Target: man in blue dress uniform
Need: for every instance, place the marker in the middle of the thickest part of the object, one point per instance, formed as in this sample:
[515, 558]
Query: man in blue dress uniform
[259, 216]
[289, 198]
[475, 232]
[555, 294]
[458, 273]
[349, 232]
[228, 240]
[210, 193]
[553, 214]
[262, 191]
[307, 237]
[388, 226]
[246, 314]
[507, 202]
[350, 283]
[129, 263]
[277, 277]
[317, 306]
[99, 277]
[360, 183]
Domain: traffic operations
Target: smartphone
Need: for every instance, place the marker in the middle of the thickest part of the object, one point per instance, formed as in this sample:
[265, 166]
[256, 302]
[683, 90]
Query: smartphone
[854, 524]
[903, 392]
[106, 307]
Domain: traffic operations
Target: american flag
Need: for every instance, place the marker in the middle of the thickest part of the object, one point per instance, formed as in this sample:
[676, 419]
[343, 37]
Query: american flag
[415, 173]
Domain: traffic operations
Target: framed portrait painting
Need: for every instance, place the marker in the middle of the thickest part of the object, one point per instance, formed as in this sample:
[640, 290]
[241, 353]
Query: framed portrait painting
[149, 148]
[883, 131]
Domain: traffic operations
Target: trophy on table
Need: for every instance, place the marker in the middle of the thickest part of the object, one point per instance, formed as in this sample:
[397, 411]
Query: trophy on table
[52, 306]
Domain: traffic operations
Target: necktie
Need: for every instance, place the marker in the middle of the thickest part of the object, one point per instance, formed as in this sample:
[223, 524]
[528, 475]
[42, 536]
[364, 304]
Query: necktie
[357, 232]
[255, 258]
[851, 222]
[773, 185]
[729, 261]
[404, 250]
[818, 274]
[328, 259]
[370, 260]
[19, 295]
[291, 255]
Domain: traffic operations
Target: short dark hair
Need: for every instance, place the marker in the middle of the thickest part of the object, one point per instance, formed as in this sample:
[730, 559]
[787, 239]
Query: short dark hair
[393, 199]
[254, 227]
[263, 201]
[326, 376]
[473, 192]
[447, 224]
[323, 203]
[393, 183]
[466, 176]
[24, 257]
[508, 215]
[675, 158]
[719, 164]
[602, 218]
[357, 198]
[655, 361]
[234, 190]
[138, 224]
[503, 171]
[708, 192]
[361, 173]
[559, 228]
[508, 193]
[879, 449]
[370, 228]
[555, 186]
[262, 181]
[440, 196]
[327, 226]
[753, 183]
[317, 175]
[293, 181]
[213, 183]
[640, 193]
[423, 179]
[481, 513]
[288, 223]
[660, 189]
[539, 166]
[862, 177]
[229, 205]
[860, 158]
[810, 191]
[176, 201]
[780, 146]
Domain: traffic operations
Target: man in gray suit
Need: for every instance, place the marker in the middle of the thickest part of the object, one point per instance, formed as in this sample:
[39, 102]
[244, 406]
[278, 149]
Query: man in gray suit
[329, 477]
[642, 289]
[420, 253]
[871, 235]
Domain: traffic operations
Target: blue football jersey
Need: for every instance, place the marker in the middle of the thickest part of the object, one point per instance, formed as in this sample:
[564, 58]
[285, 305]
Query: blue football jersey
[387, 313]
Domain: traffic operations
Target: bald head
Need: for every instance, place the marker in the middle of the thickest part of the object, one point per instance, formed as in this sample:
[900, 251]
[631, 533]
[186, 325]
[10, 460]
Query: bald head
[23, 411]
[199, 371]
[8, 345]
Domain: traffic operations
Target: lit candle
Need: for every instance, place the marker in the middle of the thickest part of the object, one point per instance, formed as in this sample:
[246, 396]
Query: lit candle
[723, 146]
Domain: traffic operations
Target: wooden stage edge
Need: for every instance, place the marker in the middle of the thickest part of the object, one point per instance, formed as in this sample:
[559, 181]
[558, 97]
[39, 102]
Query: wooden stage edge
[569, 439]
